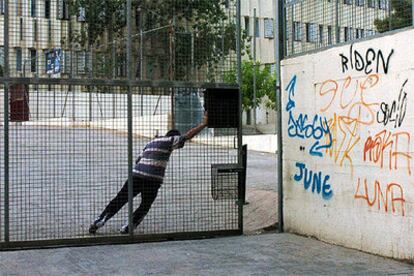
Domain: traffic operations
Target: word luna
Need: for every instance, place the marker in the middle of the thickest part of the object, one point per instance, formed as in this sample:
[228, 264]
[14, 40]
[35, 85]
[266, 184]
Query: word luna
[367, 62]
[304, 128]
[394, 193]
[316, 179]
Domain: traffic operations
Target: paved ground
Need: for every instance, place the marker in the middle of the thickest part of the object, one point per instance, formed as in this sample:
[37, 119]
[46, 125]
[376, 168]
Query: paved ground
[271, 254]
[262, 171]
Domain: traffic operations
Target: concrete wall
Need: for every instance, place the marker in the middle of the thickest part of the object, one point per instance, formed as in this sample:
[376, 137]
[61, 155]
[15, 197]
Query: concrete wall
[347, 125]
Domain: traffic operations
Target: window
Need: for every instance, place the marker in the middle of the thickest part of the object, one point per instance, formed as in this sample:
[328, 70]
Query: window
[18, 59]
[371, 3]
[297, 31]
[47, 8]
[33, 8]
[329, 35]
[362, 34]
[348, 2]
[360, 2]
[348, 34]
[321, 34]
[81, 14]
[21, 28]
[81, 60]
[370, 32]
[2, 57]
[268, 28]
[63, 10]
[256, 28]
[32, 60]
[311, 32]
[2, 6]
[247, 25]
[35, 27]
[383, 4]
[66, 61]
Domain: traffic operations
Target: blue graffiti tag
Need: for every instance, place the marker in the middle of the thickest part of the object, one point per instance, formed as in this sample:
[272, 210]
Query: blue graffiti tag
[319, 184]
[304, 128]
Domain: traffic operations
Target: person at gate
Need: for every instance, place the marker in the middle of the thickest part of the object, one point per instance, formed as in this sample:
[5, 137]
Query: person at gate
[148, 175]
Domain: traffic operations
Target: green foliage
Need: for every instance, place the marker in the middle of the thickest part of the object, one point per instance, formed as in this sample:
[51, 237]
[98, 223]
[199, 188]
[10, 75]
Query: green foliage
[265, 84]
[401, 16]
[202, 25]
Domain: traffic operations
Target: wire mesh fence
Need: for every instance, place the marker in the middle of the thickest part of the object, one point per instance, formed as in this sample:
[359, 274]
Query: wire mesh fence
[171, 39]
[77, 102]
[316, 24]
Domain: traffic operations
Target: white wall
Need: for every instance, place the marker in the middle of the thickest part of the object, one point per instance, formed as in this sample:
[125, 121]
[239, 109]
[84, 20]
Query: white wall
[364, 166]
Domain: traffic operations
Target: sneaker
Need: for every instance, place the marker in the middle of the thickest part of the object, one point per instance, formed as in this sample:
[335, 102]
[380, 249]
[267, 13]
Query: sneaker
[98, 223]
[124, 229]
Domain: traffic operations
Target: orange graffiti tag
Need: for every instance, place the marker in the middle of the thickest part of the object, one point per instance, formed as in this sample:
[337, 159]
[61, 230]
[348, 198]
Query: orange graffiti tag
[344, 139]
[351, 98]
[348, 99]
[379, 199]
[388, 144]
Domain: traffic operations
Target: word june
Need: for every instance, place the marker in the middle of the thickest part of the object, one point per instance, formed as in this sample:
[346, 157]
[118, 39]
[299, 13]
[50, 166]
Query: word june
[305, 128]
[318, 181]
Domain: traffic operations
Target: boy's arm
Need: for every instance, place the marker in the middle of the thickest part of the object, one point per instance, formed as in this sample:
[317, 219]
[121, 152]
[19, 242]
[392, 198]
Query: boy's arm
[196, 130]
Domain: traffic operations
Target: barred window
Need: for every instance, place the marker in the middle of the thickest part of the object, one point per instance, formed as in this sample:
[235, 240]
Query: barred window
[297, 31]
[268, 28]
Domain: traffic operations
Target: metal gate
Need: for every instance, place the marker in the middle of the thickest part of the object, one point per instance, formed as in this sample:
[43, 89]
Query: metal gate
[104, 78]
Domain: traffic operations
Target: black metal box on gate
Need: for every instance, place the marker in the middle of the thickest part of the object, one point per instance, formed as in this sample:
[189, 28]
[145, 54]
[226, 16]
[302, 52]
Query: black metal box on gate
[222, 105]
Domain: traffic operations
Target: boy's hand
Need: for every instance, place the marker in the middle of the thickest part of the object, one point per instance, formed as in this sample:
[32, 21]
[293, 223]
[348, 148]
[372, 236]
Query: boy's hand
[205, 118]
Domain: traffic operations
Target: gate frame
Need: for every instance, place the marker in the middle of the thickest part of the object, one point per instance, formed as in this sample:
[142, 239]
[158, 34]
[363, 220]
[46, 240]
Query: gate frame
[7, 80]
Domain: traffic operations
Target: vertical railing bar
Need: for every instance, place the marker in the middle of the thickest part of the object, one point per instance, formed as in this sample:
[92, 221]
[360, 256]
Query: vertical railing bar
[239, 80]
[130, 146]
[6, 124]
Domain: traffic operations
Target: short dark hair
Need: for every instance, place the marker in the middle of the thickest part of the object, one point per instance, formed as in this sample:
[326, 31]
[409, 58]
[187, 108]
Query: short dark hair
[173, 132]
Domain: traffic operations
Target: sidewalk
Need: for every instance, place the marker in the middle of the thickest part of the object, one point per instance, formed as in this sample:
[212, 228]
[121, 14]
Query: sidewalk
[270, 254]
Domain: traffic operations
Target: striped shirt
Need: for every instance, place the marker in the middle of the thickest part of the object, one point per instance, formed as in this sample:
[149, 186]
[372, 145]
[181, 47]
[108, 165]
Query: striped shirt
[153, 160]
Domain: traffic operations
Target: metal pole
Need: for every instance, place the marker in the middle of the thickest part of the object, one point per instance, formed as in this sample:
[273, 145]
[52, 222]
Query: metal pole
[254, 67]
[141, 59]
[279, 54]
[130, 145]
[239, 81]
[390, 15]
[337, 30]
[6, 122]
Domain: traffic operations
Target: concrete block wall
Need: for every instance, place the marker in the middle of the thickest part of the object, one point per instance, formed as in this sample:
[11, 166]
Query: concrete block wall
[348, 150]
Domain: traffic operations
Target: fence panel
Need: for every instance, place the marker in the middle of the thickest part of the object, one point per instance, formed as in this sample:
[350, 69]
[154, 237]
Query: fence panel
[68, 103]
[65, 161]
[2, 162]
[314, 24]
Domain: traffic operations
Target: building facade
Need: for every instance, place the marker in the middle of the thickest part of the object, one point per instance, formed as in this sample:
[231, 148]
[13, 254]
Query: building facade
[314, 24]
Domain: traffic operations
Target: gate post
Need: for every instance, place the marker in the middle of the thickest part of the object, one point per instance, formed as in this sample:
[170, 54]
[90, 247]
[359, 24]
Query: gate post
[6, 122]
[279, 54]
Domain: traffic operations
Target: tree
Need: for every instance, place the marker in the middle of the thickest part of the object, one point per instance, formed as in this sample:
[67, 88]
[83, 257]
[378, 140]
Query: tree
[202, 28]
[401, 16]
[265, 84]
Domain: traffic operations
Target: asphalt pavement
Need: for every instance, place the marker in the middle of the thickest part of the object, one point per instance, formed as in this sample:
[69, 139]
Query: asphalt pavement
[270, 254]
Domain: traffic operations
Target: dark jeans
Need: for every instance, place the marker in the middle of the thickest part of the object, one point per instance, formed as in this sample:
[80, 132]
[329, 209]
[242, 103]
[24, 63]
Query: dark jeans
[147, 188]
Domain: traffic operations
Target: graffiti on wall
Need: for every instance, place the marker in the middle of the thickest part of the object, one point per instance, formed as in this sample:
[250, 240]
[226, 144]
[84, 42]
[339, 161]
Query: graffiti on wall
[388, 198]
[302, 126]
[313, 181]
[369, 61]
[358, 122]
